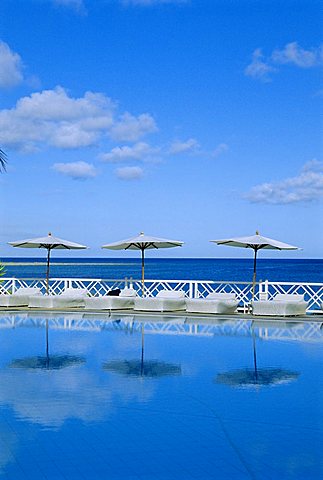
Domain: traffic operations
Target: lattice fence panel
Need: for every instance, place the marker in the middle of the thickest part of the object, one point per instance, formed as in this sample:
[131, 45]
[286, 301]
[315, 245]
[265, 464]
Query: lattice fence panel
[313, 292]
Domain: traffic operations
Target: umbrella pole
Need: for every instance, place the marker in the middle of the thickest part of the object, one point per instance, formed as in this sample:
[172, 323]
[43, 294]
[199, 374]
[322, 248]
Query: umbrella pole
[47, 348]
[143, 272]
[255, 356]
[254, 273]
[142, 349]
[47, 270]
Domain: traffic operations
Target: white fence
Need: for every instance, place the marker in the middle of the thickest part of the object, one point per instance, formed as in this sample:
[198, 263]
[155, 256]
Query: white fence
[313, 292]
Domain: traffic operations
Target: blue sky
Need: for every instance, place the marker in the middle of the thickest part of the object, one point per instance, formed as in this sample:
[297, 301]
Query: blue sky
[192, 120]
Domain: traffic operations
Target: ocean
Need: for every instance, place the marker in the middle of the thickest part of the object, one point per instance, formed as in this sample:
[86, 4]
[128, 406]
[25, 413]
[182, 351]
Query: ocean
[216, 269]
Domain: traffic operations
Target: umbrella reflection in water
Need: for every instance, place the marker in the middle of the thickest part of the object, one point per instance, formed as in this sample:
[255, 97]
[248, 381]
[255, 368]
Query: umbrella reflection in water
[142, 368]
[249, 377]
[47, 362]
[256, 377]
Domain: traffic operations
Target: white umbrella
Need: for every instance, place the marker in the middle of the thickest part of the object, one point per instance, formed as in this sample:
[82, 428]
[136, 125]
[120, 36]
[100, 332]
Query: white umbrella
[143, 242]
[256, 242]
[50, 243]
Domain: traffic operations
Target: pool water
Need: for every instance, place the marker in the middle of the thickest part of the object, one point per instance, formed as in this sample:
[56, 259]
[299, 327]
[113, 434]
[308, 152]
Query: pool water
[122, 397]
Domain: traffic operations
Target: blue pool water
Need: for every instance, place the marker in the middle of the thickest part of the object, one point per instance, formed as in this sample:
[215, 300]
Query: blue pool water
[159, 398]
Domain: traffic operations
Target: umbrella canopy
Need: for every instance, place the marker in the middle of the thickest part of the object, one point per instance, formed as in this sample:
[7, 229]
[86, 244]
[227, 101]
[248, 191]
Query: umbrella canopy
[50, 243]
[256, 242]
[143, 242]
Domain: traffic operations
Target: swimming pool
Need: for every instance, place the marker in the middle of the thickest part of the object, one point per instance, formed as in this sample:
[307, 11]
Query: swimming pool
[96, 397]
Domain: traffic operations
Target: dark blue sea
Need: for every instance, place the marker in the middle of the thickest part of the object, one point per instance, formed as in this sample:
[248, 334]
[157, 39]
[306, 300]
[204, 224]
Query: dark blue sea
[216, 269]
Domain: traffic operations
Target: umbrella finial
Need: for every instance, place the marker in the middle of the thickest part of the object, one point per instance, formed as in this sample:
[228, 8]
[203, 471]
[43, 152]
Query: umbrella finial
[141, 234]
[257, 232]
[49, 234]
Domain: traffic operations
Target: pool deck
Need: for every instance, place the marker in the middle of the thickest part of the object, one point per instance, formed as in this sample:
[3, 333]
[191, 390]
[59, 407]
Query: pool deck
[311, 317]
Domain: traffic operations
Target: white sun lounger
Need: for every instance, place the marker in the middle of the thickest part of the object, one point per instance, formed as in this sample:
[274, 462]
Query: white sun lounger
[213, 303]
[70, 298]
[282, 305]
[165, 301]
[20, 298]
[125, 300]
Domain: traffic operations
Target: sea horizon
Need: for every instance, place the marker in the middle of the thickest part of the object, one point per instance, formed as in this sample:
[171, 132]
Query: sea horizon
[213, 269]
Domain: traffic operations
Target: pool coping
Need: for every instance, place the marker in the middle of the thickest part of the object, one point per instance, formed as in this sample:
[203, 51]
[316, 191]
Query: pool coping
[311, 317]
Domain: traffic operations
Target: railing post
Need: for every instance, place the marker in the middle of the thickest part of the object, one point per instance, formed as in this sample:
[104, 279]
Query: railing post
[13, 285]
[263, 290]
[191, 290]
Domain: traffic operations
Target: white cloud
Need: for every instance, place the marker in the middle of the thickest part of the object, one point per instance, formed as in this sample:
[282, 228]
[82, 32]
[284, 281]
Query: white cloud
[53, 117]
[220, 149]
[129, 173]
[313, 166]
[77, 5]
[293, 54]
[57, 105]
[83, 394]
[10, 67]
[77, 170]
[190, 145]
[130, 128]
[258, 68]
[141, 151]
[305, 187]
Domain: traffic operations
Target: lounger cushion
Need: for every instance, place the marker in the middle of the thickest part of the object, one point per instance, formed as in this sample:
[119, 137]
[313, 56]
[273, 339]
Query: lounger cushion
[20, 298]
[109, 303]
[214, 304]
[74, 292]
[288, 297]
[56, 301]
[221, 296]
[170, 294]
[160, 303]
[128, 292]
[27, 291]
[283, 304]
[70, 298]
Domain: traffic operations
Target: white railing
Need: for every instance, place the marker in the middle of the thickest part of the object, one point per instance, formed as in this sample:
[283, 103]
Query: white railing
[313, 292]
